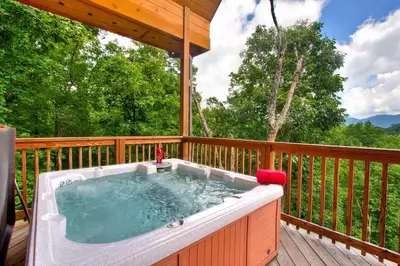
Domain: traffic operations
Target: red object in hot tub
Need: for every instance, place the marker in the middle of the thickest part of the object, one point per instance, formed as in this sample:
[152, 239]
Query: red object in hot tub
[271, 177]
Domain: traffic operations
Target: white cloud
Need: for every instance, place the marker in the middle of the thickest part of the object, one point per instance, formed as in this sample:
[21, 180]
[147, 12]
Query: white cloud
[372, 66]
[106, 37]
[229, 31]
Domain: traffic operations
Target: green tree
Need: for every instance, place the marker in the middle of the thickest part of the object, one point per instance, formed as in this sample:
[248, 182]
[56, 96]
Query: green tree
[315, 106]
[393, 129]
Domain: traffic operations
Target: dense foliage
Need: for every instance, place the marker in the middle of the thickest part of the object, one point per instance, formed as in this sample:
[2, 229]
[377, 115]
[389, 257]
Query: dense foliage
[59, 78]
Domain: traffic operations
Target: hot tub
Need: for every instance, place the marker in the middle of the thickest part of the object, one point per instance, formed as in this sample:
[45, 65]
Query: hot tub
[243, 229]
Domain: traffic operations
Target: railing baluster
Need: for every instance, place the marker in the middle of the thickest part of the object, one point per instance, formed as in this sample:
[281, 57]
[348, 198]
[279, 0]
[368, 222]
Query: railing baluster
[299, 184]
[90, 156]
[257, 159]
[249, 158]
[335, 194]
[322, 200]
[70, 158]
[205, 154]
[36, 160]
[215, 156]
[382, 216]
[365, 208]
[24, 184]
[237, 160]
[280, 159]
[166, 150]
[190, 151]
[80, 157]
[350, 199]
[201, 153]
[398, 237]
[155, 151]
[225, 156]
[99, 155]
[149, 152]
[193, 153]
[243, 155]
[288, 183]
[197, 152]
[59, 159]
[210, 156]
[108, 155]
[231, 159]
[48, 162]
[219, 156]
[143, 153]
[310, 190]
[129, 153]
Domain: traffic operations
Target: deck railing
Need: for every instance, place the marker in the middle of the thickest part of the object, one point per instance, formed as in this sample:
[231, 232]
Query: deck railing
[323, 193]
[316, 178]
[37, 155]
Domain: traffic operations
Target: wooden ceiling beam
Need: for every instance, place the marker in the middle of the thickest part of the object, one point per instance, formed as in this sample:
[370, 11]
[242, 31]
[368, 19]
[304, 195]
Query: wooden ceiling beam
[161, 19]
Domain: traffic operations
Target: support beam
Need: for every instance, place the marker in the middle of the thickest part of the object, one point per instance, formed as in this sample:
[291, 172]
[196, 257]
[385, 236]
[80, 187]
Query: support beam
[185, 80]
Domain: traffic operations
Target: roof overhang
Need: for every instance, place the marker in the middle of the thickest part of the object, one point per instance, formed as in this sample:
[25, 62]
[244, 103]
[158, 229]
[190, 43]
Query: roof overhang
[155, 22]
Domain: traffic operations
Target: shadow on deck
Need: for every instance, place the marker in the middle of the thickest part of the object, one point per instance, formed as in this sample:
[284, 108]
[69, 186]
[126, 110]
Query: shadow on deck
[296, 248]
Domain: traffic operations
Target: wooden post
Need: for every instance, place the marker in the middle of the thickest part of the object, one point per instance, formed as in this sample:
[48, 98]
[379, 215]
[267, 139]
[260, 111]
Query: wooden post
[119, 151]
[267, 157]
[185, 86]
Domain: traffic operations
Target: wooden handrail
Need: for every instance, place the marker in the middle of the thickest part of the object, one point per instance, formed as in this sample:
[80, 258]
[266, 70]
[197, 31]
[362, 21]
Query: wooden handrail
[390, 156]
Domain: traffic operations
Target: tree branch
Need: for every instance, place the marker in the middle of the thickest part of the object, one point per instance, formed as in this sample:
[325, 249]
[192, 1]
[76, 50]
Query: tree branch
[206, 130]
[278, 30]
[293, 86]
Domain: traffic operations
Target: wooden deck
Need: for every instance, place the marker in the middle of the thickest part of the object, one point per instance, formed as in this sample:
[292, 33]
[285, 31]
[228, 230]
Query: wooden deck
[17, 247]
[297, 248]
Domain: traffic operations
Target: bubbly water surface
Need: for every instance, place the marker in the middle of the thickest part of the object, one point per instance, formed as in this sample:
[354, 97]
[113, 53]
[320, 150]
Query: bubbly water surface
[112, 208]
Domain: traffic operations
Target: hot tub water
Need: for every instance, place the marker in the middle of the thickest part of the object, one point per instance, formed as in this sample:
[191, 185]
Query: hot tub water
[112, 208]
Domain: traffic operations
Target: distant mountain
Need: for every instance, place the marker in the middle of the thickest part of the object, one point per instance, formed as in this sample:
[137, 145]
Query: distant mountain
[384, 121]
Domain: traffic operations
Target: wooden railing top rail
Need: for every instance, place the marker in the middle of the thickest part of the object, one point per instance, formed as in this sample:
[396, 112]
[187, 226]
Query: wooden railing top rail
[37, 143]
[241, 143]
[355, 153]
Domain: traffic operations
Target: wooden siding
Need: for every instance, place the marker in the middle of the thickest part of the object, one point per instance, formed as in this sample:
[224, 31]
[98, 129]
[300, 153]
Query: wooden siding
[251, 240]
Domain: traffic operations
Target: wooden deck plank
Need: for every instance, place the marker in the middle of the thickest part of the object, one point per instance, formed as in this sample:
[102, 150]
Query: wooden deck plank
[17, 247]
[303, 246]
[273, 263]
[354, 257]
[295, 254]
[283, 257]
[324, 255]
[371, 259]
[333, 250]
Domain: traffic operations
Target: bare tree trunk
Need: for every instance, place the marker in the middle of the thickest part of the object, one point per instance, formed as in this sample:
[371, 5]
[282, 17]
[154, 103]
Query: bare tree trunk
[204, 127]
[281, 50]
[275, 121]
[274, 92]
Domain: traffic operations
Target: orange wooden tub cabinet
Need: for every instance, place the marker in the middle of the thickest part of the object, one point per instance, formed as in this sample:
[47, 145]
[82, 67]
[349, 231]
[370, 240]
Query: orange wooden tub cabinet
[251, 240]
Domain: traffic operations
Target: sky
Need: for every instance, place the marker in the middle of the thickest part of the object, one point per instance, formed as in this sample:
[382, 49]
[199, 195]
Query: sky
[367, 31]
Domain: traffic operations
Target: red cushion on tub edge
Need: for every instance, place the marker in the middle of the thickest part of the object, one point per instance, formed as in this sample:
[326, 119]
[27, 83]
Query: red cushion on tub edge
[265, 176]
